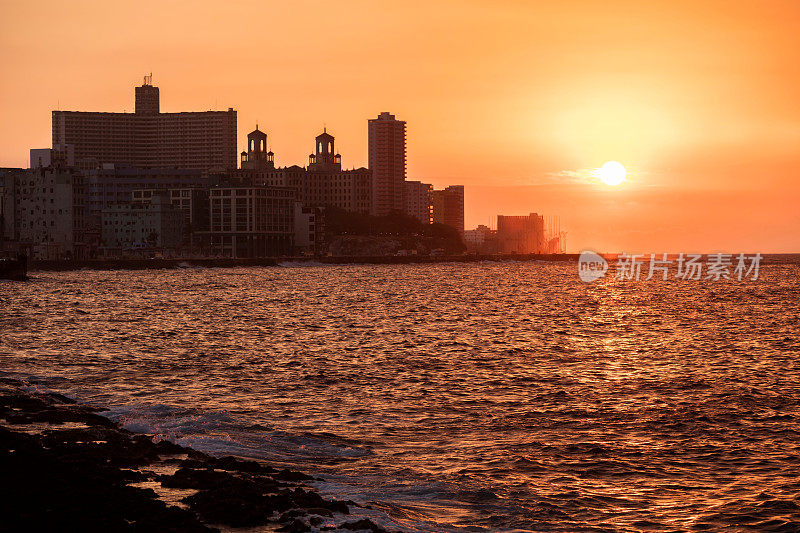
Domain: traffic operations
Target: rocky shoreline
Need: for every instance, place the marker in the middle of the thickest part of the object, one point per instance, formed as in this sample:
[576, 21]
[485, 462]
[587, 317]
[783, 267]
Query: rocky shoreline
[66, 468]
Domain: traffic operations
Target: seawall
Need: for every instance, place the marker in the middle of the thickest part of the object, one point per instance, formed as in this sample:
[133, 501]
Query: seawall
[142, 264]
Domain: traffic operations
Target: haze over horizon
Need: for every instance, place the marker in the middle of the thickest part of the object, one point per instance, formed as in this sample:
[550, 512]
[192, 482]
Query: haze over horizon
[517, 102]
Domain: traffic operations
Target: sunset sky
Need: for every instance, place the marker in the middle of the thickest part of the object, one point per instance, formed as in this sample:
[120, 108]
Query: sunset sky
[516, 100]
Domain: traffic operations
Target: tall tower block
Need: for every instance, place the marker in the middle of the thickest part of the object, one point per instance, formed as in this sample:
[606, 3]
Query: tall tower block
[387, 162]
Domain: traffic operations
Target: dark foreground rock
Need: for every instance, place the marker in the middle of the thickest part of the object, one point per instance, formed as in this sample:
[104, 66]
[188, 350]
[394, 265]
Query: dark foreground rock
[66, 468]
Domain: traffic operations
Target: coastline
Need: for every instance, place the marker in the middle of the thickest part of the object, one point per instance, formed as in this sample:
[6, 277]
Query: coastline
[67, 468]
[146, 264]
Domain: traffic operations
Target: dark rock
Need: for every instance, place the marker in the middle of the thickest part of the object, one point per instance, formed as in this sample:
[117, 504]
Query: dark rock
[365, 524]
[69, 479]
[289, 475]
[239, 509]
[191, 478]
[238, 465]
[61, 398]
[296, 526]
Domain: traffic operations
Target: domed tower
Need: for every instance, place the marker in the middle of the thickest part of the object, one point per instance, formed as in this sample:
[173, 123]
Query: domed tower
[325, 157]
[257, 157]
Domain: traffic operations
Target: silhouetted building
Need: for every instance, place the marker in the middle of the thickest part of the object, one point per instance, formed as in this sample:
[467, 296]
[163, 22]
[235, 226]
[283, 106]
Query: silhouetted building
[322, 183]
[112, 184]
[387, 162]
[143, 225]
[482, 239]
[193, 203]
[147, 98]
[419, 201]
[7, 207]
[327, 184]
[256, 157]
[48, 212]
[58, 155]
[309, 229]
[520, 234]
[293, 176]
[251, 220]
[448, 207]
[148, 138]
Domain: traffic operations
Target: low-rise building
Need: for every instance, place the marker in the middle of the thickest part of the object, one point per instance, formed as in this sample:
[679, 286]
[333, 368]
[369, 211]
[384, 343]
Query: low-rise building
[482, 240]
[250, 220]
[309, 229]
[113, 184]
[62, 155]
[155, 224]
[193, 202]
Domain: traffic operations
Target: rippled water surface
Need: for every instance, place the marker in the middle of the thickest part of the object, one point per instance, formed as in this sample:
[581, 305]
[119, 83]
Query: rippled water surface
[458, 397]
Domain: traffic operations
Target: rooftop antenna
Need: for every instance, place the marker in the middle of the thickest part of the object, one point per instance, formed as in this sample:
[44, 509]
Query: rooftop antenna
[148, 80]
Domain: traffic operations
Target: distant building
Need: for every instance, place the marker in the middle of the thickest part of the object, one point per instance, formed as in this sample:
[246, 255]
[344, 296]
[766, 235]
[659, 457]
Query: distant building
[309, 229]
[327, 184]
[418, 200]
[7, 206]
[113, 184]
[154, 224]
[482, 239]
[322, 183]
[148, 138]
[193, 203]
[256, 157]
[448, 207]
[58, 155]
[249, 220]
[48, 212]
[387, 162]
[520, 234]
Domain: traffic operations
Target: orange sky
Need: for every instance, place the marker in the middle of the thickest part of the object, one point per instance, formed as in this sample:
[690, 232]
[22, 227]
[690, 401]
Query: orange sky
[515, 99]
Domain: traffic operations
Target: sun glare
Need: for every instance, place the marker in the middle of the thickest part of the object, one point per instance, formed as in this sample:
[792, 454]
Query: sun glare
[611, 173]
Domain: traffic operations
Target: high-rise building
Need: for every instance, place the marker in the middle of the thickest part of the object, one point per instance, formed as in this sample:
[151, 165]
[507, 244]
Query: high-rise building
[520, 234]
[148, 138]
[448, 207]
[418, 200]
[387, 162]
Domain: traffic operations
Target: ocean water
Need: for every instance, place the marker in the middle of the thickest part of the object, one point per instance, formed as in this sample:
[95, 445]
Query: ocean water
[449, 397]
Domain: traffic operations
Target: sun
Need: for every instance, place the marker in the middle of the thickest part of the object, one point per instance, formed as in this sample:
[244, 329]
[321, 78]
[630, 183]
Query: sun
[611, 173]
